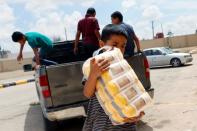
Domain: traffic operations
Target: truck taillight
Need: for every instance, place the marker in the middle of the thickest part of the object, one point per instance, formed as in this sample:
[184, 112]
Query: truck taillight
[46, 93]
[43, 81]
[45, 86]
[147, 70]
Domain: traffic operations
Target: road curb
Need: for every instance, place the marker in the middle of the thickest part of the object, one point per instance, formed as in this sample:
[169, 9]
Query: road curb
[19, 82]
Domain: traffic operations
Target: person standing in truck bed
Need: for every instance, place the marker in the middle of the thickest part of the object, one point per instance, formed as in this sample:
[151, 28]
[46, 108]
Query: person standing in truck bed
[117, 19]
[89, 28]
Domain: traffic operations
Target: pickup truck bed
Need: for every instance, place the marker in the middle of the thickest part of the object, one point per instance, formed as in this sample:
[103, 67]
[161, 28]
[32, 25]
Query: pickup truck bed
[59, 86]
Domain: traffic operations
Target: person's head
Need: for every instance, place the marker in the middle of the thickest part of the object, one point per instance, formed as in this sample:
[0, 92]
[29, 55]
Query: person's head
[91, 12]
[116, 17]
[19, 37]
[115, 36]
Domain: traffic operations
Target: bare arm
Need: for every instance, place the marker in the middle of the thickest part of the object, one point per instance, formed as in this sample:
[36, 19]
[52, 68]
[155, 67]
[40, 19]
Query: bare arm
[96, 69]
[20, 55]
[96, 29]
[78, 34]
[90, 86]
[137, 42]
[21, 49]
[37, 57]
[97, 34]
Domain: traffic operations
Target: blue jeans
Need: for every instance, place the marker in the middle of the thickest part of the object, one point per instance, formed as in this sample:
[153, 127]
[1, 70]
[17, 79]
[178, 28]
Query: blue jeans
[44, 61]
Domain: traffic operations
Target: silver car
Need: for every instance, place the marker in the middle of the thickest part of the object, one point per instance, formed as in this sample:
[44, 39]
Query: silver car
[165, 56]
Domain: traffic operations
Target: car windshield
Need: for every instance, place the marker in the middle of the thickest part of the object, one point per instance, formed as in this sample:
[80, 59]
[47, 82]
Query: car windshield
[167, 50]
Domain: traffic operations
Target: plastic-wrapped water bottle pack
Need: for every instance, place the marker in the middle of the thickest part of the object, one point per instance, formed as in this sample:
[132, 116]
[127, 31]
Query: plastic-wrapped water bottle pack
[119, 91]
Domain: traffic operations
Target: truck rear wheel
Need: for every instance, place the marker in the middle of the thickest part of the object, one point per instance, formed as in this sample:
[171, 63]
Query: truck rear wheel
[50, 125]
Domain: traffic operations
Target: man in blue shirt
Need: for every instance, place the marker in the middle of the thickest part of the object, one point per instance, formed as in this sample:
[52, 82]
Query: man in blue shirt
[36, 41]
[117, 19]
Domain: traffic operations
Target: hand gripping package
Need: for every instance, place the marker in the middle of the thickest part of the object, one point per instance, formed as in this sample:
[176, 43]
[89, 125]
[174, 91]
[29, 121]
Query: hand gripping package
[119, 91]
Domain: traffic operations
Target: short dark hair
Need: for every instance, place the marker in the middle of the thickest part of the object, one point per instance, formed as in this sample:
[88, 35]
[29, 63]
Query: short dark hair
[91, 11]
[16, 36]
[112, 29]
[118, 15]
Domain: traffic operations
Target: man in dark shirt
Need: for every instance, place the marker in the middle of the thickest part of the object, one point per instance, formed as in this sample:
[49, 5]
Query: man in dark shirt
[117, 19]
[89, 28]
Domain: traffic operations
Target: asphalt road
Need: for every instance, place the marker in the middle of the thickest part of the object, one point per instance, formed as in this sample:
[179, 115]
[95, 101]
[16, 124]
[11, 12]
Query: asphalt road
[174, 108]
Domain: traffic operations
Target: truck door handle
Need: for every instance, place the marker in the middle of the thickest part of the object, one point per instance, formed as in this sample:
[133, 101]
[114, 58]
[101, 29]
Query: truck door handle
[61, 85]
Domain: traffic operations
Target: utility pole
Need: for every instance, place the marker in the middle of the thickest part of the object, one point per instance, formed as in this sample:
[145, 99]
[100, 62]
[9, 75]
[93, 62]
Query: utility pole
[65, 33]
[162, 28]
[153, 29]
[196, 29]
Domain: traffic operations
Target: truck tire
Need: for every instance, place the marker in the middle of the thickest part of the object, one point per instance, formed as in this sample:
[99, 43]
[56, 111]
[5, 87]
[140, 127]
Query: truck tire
[175, 62]
[50, 125]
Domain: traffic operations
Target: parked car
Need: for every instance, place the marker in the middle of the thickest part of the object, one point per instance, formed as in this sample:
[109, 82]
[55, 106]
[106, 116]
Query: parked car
[165, 56]
[59, 87]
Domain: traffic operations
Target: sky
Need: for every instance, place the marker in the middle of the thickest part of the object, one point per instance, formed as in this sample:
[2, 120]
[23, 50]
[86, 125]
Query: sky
[53, 17]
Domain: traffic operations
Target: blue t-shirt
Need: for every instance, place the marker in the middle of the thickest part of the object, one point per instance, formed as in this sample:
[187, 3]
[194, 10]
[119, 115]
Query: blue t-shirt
[37, 40]
[130, 46]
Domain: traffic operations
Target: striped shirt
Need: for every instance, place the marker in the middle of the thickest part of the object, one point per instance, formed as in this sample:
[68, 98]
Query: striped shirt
[97, 120]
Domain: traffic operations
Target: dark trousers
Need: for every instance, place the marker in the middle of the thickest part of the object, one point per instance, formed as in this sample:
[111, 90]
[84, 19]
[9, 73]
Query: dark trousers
[89, 49]
[44, 60]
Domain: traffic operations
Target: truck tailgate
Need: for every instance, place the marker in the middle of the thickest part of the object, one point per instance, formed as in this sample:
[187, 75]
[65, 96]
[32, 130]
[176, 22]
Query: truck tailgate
[65, 80]
[137, 63]
[65, 83]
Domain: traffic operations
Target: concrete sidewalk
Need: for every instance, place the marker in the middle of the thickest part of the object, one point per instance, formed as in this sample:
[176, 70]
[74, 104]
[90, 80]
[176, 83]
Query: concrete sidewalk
[13, 74]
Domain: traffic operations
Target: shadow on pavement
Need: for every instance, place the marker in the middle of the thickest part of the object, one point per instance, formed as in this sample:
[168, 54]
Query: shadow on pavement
[142, 126]
[170, 67]
[72, 125]
[34, 121]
